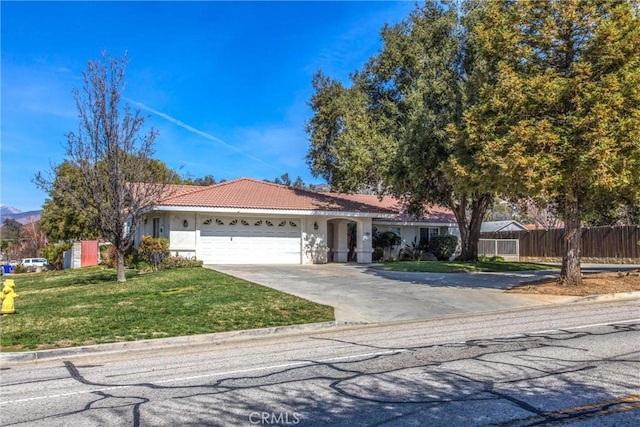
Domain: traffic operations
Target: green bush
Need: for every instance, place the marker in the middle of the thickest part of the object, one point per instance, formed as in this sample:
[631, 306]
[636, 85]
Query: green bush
[109, 256]
[143, 267]
[383, 242]
[377, 254]
[55, 254]
[443, 246]
[412, 252]
[496, 258]
[153, 250]
[19, 269]
[483, 258]
[386, 239]
[170, 262]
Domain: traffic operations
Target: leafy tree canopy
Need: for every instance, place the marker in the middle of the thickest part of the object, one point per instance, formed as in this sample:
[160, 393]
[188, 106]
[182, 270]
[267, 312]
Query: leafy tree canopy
[297, 183]
[561, 119]
[204, 181]
[11, 229]
[62, 219]
[398, 127]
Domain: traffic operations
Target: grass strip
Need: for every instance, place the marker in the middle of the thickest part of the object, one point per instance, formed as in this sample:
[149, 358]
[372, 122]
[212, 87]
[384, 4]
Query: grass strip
[88, 306]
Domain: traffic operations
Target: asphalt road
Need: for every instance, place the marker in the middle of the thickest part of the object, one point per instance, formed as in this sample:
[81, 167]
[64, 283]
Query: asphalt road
[575, 364]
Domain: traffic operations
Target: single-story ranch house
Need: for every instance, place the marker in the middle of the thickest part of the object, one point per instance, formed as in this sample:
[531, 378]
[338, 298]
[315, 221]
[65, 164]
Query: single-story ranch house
[246, 221]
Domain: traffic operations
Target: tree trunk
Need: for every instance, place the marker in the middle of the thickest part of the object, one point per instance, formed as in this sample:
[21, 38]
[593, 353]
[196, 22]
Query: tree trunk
[470, 228]
[570, 274]
[470, 249]
[464, 241]
[120, 265]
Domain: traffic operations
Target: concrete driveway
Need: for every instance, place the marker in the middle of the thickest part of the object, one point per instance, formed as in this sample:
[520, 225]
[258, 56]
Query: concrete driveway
[363, 294]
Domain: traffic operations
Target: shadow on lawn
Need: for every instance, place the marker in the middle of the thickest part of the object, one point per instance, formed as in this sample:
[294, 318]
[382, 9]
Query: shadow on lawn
[65, 278]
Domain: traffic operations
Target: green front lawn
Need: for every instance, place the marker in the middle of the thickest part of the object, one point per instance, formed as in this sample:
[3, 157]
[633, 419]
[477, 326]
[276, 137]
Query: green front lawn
[462, 267]
[87, 306]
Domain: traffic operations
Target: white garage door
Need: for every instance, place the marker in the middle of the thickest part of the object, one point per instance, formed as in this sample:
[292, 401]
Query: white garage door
[231, 240]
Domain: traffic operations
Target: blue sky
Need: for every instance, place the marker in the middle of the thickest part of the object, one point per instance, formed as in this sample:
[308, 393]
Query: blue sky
[226, 84]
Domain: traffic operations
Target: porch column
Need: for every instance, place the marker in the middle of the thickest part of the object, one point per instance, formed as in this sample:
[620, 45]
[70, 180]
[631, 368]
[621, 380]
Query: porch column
[340, 241]
[364, 248]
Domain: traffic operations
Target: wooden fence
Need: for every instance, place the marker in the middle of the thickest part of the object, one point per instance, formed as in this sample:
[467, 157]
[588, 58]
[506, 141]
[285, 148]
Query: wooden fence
[617, 242]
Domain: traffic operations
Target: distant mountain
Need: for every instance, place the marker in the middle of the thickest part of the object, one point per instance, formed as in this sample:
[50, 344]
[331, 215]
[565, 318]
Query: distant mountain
[7, 211]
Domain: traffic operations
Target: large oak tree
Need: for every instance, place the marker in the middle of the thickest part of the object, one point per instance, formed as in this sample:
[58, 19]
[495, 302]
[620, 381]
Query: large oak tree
[396, 129]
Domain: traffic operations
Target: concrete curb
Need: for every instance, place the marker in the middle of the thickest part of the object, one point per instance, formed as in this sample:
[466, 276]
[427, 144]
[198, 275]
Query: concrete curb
[608, 297]
[166, 343]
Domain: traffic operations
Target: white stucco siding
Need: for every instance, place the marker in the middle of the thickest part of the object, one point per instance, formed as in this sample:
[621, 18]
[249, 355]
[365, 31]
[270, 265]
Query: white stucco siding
[410, 232]
[364, 245]
[315, 245]
[407, 233]
[182, 233]
[146, 226]
[260, 236]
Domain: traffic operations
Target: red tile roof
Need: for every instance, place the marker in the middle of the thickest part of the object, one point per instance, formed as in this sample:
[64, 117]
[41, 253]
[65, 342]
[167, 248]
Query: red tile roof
[253, 194]
[433, 213]
[249, 193]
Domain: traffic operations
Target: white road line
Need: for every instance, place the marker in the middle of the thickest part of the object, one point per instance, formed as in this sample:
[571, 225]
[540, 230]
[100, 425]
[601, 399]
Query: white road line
[214, 374]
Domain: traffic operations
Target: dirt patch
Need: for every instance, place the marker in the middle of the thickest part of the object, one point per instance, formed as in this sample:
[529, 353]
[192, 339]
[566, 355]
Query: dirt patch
[592, 284]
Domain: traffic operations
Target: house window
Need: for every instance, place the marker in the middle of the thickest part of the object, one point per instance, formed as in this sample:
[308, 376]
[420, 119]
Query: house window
[426, 234]
[156, 228]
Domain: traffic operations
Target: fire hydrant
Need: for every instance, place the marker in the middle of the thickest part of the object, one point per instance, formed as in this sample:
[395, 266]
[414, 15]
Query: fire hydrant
[7, 297]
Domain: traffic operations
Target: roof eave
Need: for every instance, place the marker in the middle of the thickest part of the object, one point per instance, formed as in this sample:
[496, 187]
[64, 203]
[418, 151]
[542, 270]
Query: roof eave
[297, 212]
[416, 223]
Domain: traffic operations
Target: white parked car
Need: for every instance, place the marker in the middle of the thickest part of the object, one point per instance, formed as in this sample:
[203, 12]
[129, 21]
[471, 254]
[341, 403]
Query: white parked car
[34, 262]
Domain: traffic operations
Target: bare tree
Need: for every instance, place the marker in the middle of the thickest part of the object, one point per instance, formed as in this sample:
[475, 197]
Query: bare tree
[543, 213]
[116, 178]
[33, 238]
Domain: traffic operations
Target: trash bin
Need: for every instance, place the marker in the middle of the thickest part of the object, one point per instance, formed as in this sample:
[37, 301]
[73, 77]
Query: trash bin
[7, 269]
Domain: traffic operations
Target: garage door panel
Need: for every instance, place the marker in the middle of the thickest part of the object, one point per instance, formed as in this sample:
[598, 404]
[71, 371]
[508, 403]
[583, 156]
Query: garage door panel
[249, 241]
